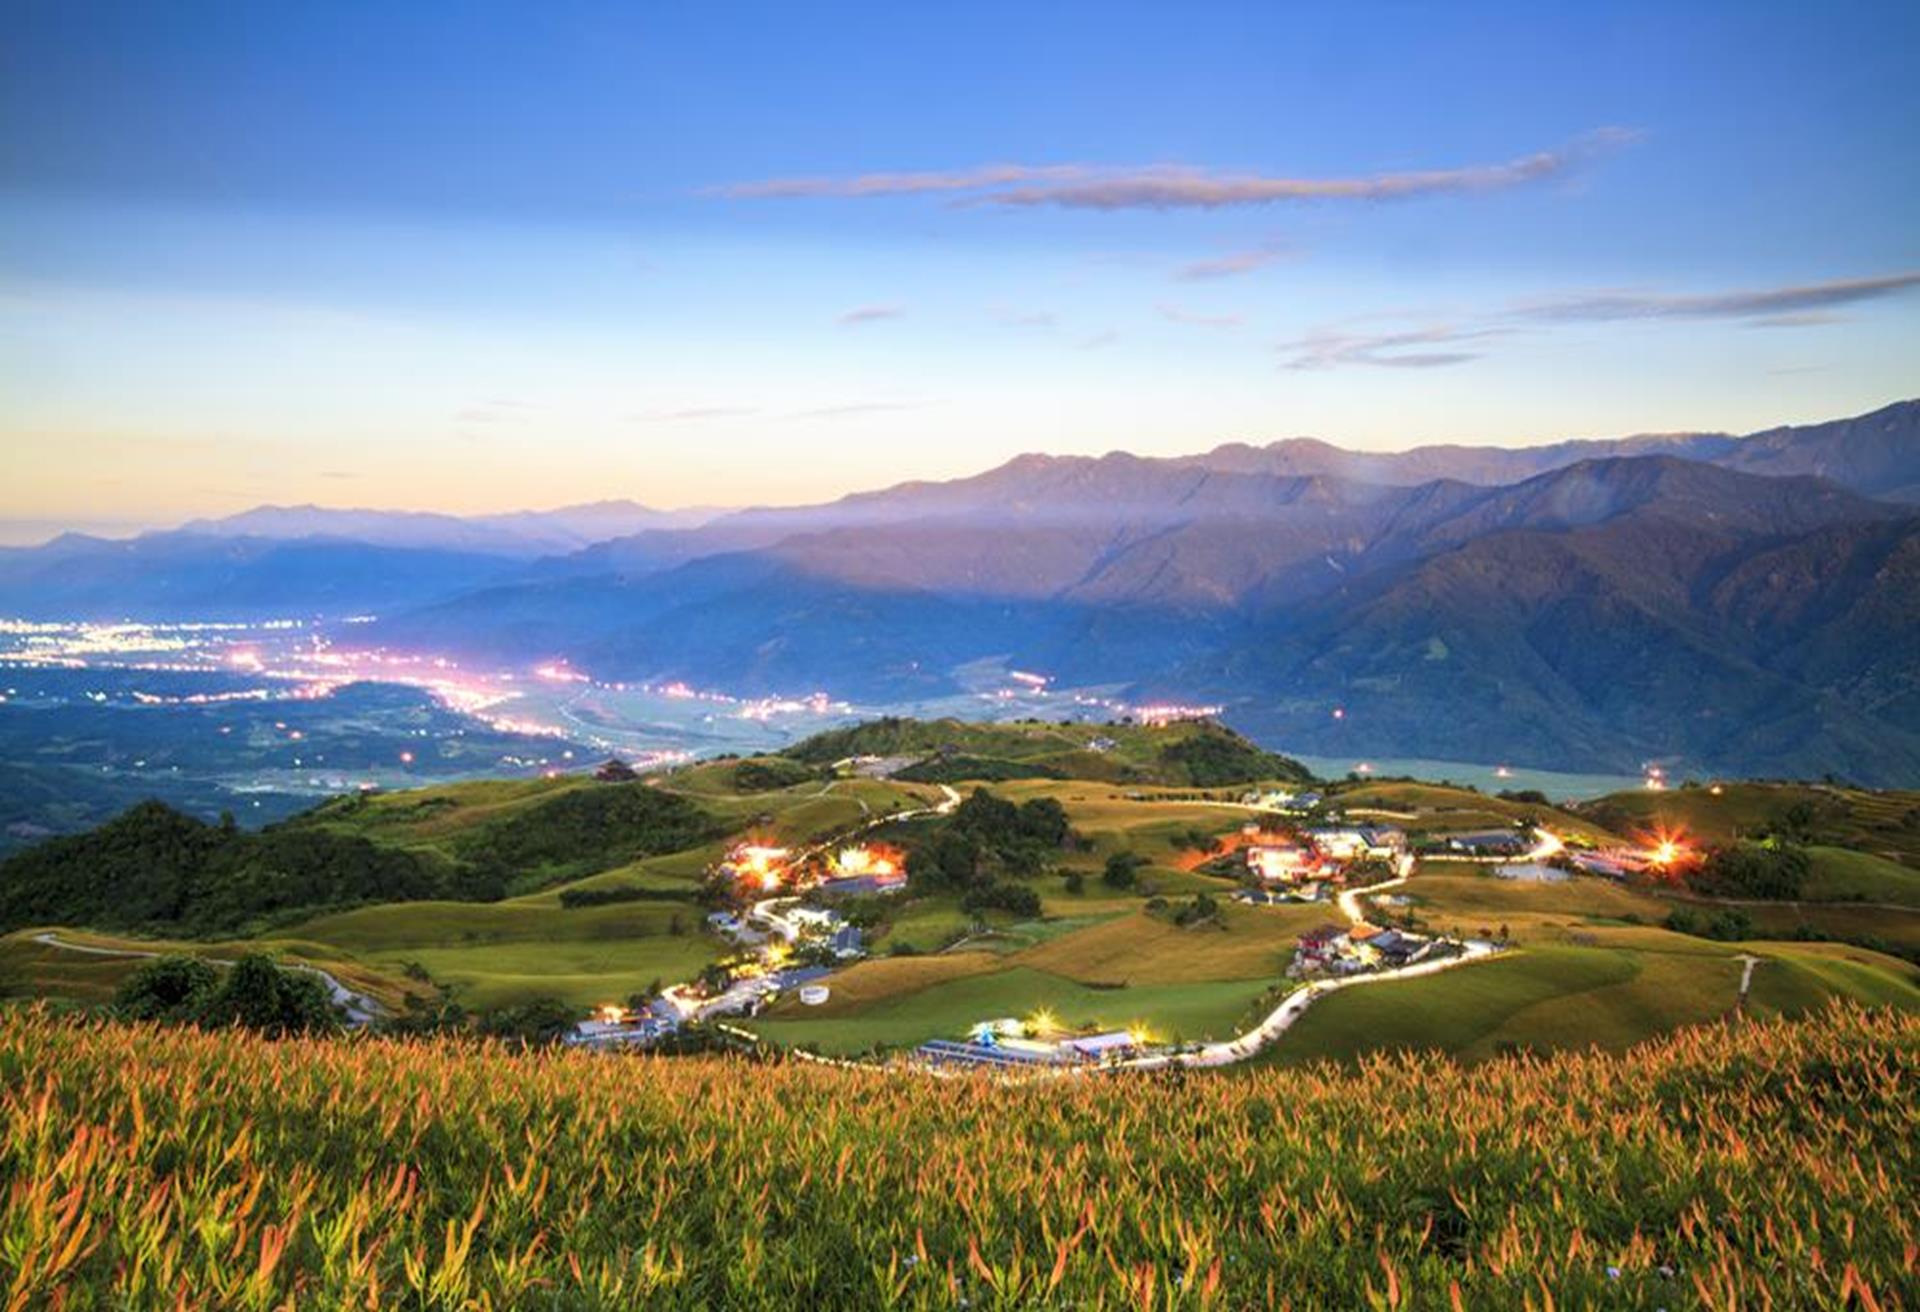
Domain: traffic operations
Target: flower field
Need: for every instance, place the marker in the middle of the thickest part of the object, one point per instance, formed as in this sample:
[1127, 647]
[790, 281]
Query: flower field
[1750, 1165]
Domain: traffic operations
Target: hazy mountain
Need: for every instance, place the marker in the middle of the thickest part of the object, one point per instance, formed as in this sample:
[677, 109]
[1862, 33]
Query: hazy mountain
[189, 576]
[1701, 597]
[1876, 454]
[1594, 616]
[524, 534]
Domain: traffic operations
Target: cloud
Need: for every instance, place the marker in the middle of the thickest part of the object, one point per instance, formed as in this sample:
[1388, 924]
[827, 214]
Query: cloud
[694, 413]
[1779, 304]
[1327, 350]
[1099, 340]
[1232, 264]
[902, 184]
[855, 408]
[1026, 318]
[1180, 186]
[1174, 314]
[872, 313]
[1801, 305]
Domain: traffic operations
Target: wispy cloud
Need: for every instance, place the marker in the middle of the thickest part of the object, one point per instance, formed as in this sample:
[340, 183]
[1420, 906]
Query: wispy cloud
[854, 409]
[1766, 303]
[1799, 305]
[1026, 318]
[1181, 186]
[1174, 314]
[695, 413]
[1232, 264]
[1418, 348]
[903, 184]
[872, 313]
[1099, 341]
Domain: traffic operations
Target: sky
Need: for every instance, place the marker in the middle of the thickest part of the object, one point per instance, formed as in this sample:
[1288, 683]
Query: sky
[475, 257]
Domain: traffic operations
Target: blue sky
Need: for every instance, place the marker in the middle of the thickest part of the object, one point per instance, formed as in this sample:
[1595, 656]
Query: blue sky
[476, 256]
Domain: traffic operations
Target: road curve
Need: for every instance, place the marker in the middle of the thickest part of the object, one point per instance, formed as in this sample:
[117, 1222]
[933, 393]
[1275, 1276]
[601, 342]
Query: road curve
[360, 1009]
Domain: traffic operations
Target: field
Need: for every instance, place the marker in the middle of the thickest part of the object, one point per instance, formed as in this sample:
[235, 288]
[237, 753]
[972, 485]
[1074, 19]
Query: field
[1767, 1163]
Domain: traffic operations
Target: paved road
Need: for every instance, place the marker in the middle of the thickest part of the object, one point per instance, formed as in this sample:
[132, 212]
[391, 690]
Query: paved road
[1294, 1005]
[360, 1009]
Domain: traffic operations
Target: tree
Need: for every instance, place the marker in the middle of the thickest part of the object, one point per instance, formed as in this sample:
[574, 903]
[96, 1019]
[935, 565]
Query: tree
[615, 771]
[169, 988]
[259, 995]
[1076, 882]
[1122, 870]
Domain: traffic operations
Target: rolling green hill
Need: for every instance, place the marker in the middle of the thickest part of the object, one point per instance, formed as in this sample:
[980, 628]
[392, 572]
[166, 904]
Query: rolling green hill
[1196, 753]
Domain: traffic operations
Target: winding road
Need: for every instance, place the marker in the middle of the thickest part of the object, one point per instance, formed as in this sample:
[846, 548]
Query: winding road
[360, 1009]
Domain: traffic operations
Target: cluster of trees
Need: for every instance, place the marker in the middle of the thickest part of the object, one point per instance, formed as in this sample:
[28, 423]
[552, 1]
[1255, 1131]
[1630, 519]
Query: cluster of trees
[1727, 926]
[253, 994]
[1002, 895]
[156, 868]
[951, 769]
[1775, 871]
[1122, 870]
[988, 837]
[1215, 756]
[1201, 908]
[766, 773]
[583, 830]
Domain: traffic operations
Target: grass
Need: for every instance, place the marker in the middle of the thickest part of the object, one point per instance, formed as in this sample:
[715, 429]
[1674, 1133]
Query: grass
[1422, 808]
[1617, 989]
[947, 1008]
[1255, 943]
[1840, 875]
[1758, 1164]
[1875, 822]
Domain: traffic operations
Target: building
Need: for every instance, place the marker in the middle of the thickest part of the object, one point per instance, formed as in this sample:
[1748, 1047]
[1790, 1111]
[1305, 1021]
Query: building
[1282, 863]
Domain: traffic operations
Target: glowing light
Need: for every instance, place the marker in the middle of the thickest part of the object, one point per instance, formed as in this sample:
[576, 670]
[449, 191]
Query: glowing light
[1339, 712]
[406, 758]
[612, 1013]
[1042, 1023]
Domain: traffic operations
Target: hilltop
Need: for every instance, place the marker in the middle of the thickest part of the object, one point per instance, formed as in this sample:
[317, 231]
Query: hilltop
[1202, 753]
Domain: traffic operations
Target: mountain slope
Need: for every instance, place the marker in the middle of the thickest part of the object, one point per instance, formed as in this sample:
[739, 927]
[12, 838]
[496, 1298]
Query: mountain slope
[188, 576]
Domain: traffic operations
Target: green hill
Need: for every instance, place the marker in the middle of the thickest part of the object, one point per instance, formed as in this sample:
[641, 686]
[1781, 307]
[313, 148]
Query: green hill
[1189, 753]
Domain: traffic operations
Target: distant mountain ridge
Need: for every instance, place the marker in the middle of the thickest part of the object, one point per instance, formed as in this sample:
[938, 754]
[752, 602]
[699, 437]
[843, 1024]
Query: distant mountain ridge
[1727, 604]
[525, 533]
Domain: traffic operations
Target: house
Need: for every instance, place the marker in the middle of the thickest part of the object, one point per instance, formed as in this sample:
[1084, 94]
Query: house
[1394, 948]
[892, 881]
[1488, 842]
[1341, 845]
[1281, 863]
[1383, 842]
[1101, 1047]
[848, 942]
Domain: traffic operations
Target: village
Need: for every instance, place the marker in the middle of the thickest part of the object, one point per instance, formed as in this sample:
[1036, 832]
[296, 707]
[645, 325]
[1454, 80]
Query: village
[794, 917]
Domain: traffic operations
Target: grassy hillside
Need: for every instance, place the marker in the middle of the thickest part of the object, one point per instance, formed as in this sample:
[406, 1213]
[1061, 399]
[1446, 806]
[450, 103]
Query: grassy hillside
[1190, 753]
[1599, 963]
[408, 1174]
[1884, 824]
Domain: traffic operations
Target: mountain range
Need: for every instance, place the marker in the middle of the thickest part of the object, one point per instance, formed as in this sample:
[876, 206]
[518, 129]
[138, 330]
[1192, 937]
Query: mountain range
[1726, 604]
